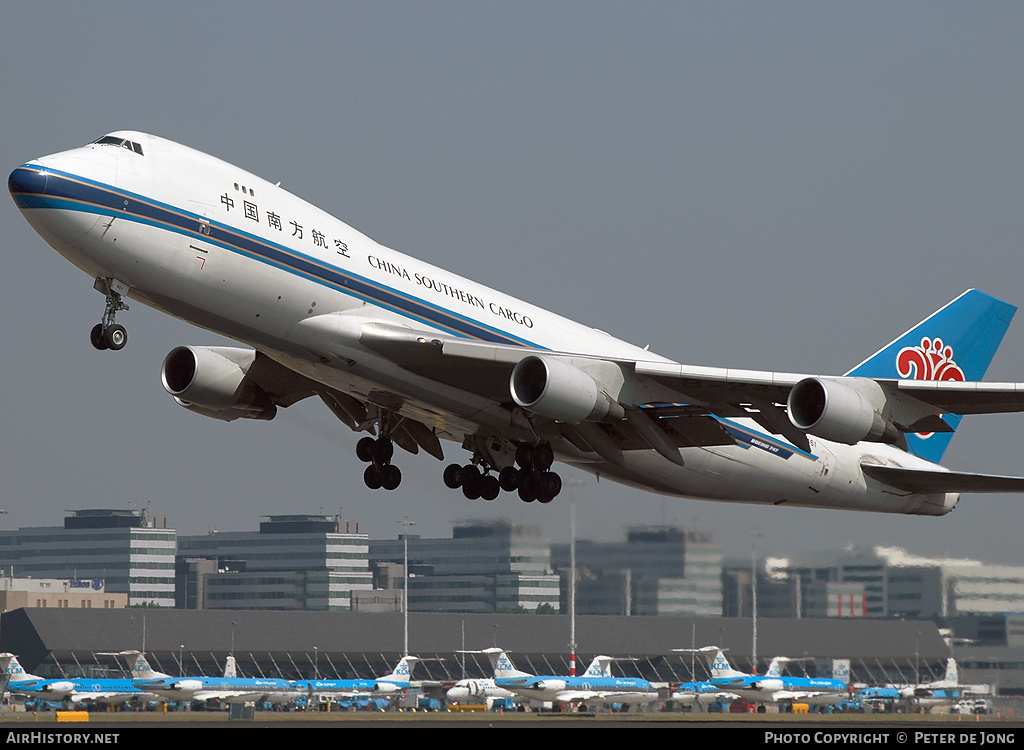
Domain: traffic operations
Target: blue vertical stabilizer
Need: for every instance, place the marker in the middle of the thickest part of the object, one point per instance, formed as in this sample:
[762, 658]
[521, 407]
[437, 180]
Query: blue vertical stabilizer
[954, 343]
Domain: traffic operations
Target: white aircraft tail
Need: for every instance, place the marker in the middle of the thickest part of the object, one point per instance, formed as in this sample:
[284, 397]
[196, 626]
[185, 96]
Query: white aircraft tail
[952, 678]
[13, 669]
[142, 671]
[600, 667]
[952, 674]
[775, 667]
[501, 665]
[402, 671]
[230, 669]
[718, 665]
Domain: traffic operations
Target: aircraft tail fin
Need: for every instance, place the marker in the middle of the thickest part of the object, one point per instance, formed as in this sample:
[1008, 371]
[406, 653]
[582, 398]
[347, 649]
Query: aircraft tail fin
[952, 674]
[142, 671]
[230, 668]
[718, 665]
[601, 666]
[956, 342]
[402, 671]
[501, 665]
[13, 669]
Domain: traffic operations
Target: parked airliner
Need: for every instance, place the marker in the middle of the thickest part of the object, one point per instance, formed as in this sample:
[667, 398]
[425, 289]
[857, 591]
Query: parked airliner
[413, 355]
[485, 691]
[596, 683]
[79, 689]
[927, 695]
[773, 686]
[395, 683]
[230, 688]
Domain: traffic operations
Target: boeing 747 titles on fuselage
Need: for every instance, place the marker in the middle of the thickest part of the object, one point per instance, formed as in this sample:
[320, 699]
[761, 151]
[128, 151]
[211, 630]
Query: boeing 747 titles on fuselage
[414, 355]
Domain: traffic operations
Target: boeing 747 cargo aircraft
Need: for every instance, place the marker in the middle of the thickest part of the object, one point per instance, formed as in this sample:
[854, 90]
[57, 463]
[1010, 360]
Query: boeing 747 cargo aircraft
[414, 355]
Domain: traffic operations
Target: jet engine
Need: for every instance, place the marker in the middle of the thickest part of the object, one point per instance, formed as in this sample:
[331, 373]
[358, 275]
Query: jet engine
[552, 686]
[768, 685]
[187, 686]
[841, 411]
[214, 381]
[561, 391]
[60, 687]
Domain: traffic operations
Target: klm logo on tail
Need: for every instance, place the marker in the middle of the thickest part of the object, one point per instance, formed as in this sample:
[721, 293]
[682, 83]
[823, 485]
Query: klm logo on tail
[720, 664]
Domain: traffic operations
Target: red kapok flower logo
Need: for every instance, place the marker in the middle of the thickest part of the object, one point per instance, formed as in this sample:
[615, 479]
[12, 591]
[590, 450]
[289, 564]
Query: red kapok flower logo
[932, 360]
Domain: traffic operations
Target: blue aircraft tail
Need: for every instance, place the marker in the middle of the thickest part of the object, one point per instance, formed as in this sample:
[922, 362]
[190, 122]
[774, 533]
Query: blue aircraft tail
[954, 343]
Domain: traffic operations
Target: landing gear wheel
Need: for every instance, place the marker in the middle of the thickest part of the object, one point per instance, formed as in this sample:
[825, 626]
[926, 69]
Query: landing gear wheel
[489, 488]
[471, 482]
[390, 477]
[96, 337]
[364, 449]
[550, 485]
[383, 450]
[542, 457]
[371, 477]
[453, 476]
[508, 479]
[115, 337]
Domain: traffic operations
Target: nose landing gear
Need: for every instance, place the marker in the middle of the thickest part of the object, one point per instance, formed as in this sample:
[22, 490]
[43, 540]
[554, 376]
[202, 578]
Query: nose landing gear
[107, 334]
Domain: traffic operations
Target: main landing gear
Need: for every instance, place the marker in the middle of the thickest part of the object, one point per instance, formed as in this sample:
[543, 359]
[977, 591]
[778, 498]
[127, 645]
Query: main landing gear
[107, 334]
[377, 452]
[533, 479]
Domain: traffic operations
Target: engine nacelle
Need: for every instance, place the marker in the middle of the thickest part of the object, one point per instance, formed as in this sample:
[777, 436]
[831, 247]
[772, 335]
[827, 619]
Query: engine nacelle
[844, 412]
[560, 391]
[549, 685]
[769, 685]
[214, 382]
[187, 686]
[59, 687]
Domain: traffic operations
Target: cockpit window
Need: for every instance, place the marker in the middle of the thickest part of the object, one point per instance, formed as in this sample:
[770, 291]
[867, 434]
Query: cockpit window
[113, 140]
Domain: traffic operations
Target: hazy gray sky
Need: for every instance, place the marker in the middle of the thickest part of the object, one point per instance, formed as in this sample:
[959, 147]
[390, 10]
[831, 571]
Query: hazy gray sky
[765, 185]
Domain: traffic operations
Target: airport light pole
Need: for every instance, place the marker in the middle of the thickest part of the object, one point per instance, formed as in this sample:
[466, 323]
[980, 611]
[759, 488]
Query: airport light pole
[573, 483]
[753, 602]
[406, 523]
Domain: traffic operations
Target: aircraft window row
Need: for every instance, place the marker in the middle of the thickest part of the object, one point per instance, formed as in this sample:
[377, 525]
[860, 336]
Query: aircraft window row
[111, 140]
[244, 189]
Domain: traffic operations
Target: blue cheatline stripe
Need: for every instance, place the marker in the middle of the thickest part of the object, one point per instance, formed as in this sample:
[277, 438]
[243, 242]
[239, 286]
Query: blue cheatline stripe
[79, 194]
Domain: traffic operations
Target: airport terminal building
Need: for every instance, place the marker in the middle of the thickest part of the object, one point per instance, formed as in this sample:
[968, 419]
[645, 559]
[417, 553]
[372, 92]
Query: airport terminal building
[132, 552]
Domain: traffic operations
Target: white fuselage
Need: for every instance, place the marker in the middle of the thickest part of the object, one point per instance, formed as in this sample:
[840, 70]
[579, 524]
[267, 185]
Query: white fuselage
[221, 248]
[476, 691]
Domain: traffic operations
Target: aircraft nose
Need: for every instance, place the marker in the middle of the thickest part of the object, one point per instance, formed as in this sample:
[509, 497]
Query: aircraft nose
[25, 182]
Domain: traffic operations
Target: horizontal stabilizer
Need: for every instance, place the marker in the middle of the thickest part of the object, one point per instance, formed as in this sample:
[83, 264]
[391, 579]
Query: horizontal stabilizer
[925, 480]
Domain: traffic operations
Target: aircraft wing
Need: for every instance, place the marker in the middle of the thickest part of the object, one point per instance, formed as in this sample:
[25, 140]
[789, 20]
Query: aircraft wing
[101, 697]
[689, 403]
[209, 695]
[572, 696]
